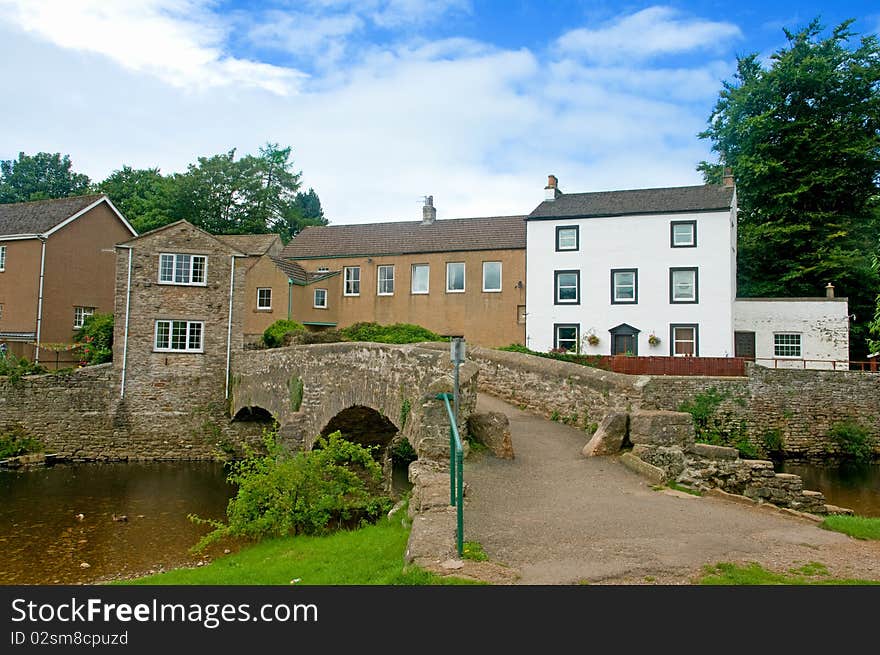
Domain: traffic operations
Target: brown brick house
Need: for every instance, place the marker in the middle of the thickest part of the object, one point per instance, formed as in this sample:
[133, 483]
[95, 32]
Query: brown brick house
[56, 268]
[461, 276]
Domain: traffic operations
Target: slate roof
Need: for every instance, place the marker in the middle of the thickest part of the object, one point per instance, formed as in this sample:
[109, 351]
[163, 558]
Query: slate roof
[298, 274]
[40, 216]
[447, 235]
[249, 244]
[707, 197]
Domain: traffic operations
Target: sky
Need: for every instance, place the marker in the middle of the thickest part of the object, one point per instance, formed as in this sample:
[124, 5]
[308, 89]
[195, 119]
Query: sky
[387, 101]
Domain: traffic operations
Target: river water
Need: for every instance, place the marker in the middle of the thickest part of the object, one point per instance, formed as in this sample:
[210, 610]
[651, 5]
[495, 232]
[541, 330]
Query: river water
[848, 484]
[43, 541]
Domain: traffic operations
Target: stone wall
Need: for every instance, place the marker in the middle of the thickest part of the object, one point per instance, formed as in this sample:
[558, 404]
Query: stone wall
[801, 406]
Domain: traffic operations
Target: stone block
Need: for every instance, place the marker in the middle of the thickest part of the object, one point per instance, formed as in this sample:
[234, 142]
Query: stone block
[649, 471]
[492, 429]
[715, 452]
[661, 428]
[609, 437]
[671, 459]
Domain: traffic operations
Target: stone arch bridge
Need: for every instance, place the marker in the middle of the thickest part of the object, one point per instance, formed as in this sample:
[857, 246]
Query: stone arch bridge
[310, 389]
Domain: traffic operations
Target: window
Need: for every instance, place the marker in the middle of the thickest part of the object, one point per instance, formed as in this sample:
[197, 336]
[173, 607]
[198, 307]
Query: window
[567, 284]
[264, 298]
[386, 280]
[786, 345]
[79, 315]
[179, 336]
[182, 269]
[521, 314]
[683, 340]
[421, 274]
[624, 286]
[683, 285]
[455, 277]
[492, 276]
[352, 276]
[683, 234]
[566, 336]
[2, 258]
[567, 237]
[320, 299]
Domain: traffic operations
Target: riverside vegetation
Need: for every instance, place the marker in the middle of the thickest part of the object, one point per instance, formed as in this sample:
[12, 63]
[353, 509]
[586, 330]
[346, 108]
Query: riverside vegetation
[285, 333]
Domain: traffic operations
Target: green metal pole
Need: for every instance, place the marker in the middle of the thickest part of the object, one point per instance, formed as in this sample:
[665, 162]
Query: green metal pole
[459, 456]
[451, 467]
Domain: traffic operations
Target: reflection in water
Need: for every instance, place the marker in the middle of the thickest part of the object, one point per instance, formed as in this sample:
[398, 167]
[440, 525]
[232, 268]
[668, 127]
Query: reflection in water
[848, 484]
[43, 541]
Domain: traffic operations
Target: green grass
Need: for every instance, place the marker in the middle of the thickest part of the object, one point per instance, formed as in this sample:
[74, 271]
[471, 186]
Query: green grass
[860, 527]
[813, 573]
[473, 550]
[677, 487]
[368, 556]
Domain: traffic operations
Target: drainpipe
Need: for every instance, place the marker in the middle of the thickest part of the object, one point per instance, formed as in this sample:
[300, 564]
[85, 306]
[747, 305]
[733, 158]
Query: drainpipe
[289, 298]
[125, 334]
[40, 298]
[229, 323]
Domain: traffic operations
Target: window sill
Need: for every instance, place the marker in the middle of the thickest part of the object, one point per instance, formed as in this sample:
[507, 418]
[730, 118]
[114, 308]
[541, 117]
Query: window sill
[684, 302]
[455, 291]
[384, 295]
[183, 284]
[491, 290]
[178, 352]
[319, 307]
[419, 293]
[351, 295]
[263, 309]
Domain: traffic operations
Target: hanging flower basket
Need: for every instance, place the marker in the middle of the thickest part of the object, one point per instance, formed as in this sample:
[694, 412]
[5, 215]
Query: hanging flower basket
[654, 340]
[593, 340]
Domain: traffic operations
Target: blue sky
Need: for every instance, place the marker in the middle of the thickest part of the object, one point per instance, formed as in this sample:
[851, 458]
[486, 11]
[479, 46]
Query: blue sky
[385, 101]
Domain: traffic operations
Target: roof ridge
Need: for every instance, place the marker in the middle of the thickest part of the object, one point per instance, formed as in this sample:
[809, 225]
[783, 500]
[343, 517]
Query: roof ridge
[50, 200]
[439, 221]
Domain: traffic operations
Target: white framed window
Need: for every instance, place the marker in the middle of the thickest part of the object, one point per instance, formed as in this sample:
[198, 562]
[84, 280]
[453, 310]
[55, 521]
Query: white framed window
[2, 258]
[455, 277]
[492, 277]
[567, 237]
[80, 314]
[352, 278]
[787, 344]
[385, 278]
[683, 340]
[421, 278]
[264, 298]
[566, 287]
[566, 336]
[179, 336]
[683, 285]
[320, 299]
[624, 287]
[182, 269]
[683, 234]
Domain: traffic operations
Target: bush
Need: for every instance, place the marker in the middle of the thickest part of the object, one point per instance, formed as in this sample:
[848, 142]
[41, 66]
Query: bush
[307, 337]
[853, 440]
[274, 335]
[396, 333]
[715, 429]
[336, 485]
[17, 442]
[15, 369]
[595, 361]
[96, 337]
[402, 452]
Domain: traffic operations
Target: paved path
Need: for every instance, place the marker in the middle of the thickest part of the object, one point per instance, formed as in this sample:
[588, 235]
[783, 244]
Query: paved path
[560, 518]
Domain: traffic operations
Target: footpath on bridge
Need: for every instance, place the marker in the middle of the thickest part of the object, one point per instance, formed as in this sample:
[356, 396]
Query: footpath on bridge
[556, 517]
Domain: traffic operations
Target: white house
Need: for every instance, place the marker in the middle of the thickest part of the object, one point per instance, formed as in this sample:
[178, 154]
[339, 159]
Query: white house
[608, 271]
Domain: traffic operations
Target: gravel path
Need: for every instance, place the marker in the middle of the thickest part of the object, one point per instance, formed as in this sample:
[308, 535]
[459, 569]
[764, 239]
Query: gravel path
[557, 517]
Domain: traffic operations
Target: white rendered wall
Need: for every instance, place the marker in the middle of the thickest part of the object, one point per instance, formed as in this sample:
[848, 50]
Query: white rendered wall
[823, 324]
[641, 242]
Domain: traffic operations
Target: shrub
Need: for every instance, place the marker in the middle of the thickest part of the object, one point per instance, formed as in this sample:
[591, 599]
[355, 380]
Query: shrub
[336, 485]
[717, 429]
[595, 361]
[402, 452]
[772, 441]
[15, 368]
[396, 333]
[307, 336]
[274, 335]
[96, 337]
[853, 440]
[17, 442]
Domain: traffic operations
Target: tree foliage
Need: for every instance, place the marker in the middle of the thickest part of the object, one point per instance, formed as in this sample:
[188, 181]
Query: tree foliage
[40, 177]
[143, 195]
[802, 137]
[96, 337]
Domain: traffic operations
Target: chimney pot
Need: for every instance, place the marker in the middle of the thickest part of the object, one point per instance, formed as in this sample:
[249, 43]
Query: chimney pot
[429, 213]
[551, 191]
[829, 290]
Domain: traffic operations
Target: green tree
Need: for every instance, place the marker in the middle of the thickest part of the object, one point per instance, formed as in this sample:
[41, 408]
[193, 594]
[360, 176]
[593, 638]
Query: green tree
[39, 177]
[143, 195]
[305, 210]
[802, 137]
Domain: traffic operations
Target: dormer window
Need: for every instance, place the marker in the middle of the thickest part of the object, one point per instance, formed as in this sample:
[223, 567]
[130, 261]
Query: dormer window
[182, 269]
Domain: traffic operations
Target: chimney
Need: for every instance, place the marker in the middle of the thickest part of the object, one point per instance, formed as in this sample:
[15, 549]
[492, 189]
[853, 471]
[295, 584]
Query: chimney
[429, 213]
[829, 290]
[551, 191]
[727, 178]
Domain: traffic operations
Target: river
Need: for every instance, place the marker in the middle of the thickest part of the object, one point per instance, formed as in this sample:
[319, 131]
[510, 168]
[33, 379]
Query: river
[848, 484]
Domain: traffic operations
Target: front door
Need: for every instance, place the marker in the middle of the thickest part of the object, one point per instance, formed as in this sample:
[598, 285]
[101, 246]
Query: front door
[744, 344]
[623, 344]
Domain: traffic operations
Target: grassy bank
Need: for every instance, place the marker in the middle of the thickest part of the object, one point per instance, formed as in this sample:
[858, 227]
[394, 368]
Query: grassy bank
[369, 556]
[813, 573]
[860, 527]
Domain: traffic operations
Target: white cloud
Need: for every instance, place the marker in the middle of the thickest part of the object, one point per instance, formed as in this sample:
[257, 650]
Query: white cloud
[645, 34]
[178, 41]
[304, 34]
